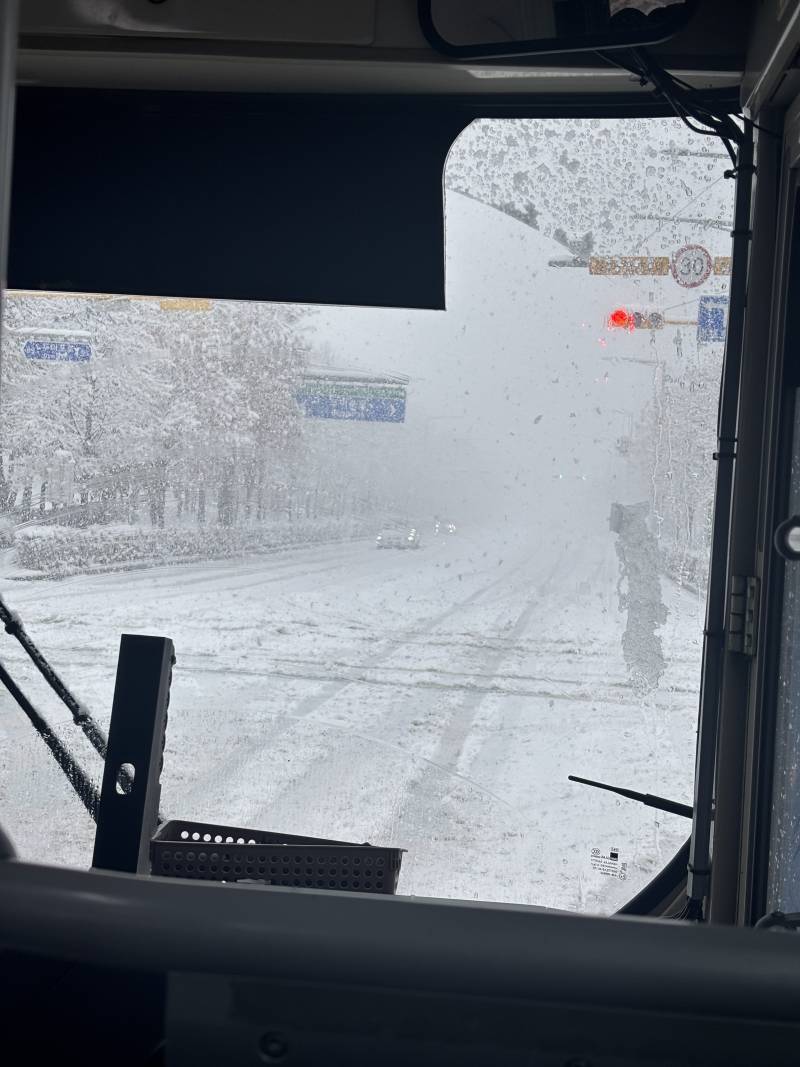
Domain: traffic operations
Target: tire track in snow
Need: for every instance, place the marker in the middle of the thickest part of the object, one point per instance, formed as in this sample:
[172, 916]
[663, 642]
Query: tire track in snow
[315, 701]
[329, 788]
[455, 734]
[60, 718]
[13, 726]
[234, 766]
[492, 684]
[437, 847]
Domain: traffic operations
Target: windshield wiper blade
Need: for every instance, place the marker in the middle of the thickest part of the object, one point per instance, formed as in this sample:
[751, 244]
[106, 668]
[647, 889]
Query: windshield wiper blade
[649, 799]
[76, 776]
[81, 715]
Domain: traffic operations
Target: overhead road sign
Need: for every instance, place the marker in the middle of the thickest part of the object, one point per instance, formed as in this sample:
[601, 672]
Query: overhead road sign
[57, 351]
[691, 266]
[652, 265]
[353, 396]
[629, 265]
[712, 320]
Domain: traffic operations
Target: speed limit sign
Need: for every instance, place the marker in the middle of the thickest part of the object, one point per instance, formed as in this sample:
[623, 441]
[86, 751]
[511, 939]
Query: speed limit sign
[691, 265]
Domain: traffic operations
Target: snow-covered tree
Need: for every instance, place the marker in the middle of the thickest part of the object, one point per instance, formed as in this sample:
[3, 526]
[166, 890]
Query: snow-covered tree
[679, 436]
[197, 403]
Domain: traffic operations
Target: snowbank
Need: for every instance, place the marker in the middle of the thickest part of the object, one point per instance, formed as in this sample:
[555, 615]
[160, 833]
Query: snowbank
[63, 550]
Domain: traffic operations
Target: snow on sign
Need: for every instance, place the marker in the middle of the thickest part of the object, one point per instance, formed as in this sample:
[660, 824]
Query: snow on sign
[53, 351]
[353, 397]
[691, 266]
[627, 265]
[712, 315]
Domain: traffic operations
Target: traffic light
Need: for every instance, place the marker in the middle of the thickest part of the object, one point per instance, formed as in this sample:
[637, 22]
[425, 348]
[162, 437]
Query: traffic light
[623, 318]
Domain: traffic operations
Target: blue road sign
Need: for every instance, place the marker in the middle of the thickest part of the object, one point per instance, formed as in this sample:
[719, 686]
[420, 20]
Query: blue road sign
[354, 401]
[712, 319]
[58, 351]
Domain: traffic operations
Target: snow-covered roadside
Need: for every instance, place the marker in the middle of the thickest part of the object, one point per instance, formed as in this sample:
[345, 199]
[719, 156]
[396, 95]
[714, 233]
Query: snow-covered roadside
[17, 573]
[62, 551]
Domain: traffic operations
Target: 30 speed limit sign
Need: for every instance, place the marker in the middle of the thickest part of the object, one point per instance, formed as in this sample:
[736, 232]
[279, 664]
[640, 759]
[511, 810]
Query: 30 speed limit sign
[691, 265]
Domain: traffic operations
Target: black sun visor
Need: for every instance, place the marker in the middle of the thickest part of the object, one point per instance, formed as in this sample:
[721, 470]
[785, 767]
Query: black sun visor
[232, 196]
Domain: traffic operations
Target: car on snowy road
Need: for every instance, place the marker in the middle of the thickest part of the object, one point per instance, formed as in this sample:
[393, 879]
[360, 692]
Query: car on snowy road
[398, 536]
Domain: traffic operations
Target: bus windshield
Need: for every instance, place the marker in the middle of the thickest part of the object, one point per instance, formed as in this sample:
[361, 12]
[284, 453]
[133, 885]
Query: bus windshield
[418, 566]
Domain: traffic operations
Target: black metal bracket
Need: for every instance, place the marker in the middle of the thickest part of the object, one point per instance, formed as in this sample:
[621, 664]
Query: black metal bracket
[128, 813]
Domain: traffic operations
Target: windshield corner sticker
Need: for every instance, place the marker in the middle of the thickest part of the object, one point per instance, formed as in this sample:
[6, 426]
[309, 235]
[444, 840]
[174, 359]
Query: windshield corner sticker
[609, 863]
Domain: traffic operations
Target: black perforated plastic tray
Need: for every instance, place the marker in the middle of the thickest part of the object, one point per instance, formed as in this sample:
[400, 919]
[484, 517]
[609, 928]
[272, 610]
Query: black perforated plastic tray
[232, 854]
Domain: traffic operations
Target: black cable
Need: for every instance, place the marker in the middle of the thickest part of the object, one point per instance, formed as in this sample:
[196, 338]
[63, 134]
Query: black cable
[683, 101]
[686, 120]
[758, 126]
[710, 133]
[692, 911]
[636, 71]
[702, 107]
[672, 91]
[686, 107]
[699, 114]
[75, 774]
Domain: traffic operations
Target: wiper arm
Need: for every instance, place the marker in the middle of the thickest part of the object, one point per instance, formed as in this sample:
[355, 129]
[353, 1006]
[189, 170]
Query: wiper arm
[649, 799]
[80, 715]
[76, 776]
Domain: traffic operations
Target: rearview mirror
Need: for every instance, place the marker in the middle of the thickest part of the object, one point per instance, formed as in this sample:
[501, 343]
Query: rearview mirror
[494, 29]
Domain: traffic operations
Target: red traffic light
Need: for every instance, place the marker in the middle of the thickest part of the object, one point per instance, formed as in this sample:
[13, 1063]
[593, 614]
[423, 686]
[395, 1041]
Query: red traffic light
[625, 319]
[621, 319]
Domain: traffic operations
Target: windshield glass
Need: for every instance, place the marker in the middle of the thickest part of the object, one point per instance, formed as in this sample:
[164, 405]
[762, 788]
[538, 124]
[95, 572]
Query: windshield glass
[418, 566]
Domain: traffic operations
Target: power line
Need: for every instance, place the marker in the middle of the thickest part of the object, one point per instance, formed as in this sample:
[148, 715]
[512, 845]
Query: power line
[712, 224]
[682, 304]
[681, 208]
[687, 152]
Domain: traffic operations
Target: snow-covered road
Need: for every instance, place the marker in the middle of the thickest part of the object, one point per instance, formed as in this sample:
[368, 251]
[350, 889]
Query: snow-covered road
[433, 699]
